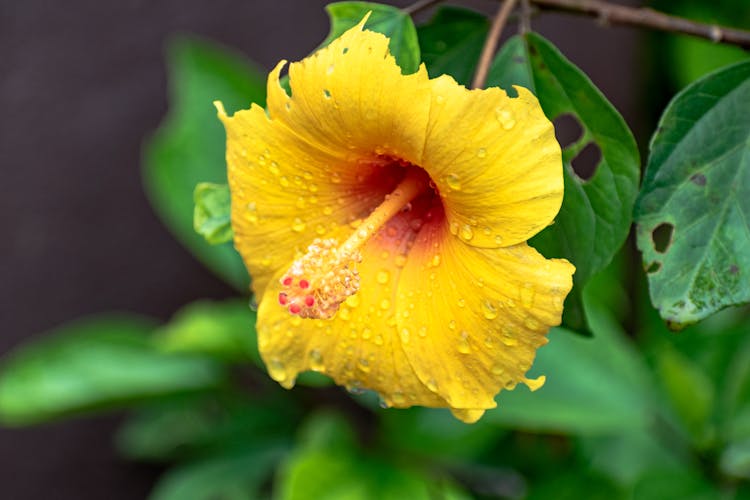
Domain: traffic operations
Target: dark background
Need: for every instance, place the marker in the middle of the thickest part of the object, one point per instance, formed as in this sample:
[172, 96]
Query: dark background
[81, 84]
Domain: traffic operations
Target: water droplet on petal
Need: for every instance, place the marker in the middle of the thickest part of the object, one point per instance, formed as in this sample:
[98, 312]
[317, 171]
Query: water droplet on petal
[277, 371]
[330, 69]
[398, 398]
[327, 210]
[274, 168]
[466, 233]
[463, 343]
[435, 260]
[298, 225]
[405, 335]
[453, 182]
[432, 385]
[335, 178]
[461, 302]
[284, 181]
[452, 324]
[385, 304]
[481, 153]
[366, 333]
[400, 260]
[505, 117]
[383, 277]
[498, 370]
[454, 228]
[422, 331]
[316, 361]
[527, 295]
[489, 310]
[378, 340]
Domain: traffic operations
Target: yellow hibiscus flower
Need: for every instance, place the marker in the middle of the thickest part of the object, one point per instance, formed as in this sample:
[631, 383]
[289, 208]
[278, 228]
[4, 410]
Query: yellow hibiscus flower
[384, 218]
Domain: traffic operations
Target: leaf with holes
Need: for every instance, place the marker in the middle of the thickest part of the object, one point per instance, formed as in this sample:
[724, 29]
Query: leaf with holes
[388, 20]
[189, 147]
[451, 42]
[693, 213]
[596, 212]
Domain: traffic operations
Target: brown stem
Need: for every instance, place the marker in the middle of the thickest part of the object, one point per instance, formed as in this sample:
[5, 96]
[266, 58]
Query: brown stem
[642, 16]
[419, 6]
[490, 44]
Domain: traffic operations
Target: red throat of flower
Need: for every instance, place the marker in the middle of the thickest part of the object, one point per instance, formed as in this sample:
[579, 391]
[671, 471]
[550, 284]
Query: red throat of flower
[317, 283]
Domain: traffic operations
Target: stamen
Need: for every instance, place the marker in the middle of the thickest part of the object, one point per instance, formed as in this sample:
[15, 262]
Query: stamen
[317, 283]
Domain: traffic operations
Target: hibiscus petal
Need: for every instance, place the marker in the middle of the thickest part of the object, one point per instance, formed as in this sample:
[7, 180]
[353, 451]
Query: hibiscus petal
[496, 163]
[482, 314]
[350, 97]
[361, 346]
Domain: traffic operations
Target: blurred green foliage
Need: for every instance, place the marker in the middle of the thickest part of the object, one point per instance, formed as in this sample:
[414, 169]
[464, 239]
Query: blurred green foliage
[635, 412]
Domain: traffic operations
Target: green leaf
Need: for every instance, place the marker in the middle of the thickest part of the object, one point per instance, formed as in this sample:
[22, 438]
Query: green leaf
[694, 206]
[327, 466]
[595, 216]
[452, 41]
[189, 147]
[690, 391]
[225, 330]
[97, 363]
[594, 386]
[239, 476]
[200, 425]
[211, 217]
[390, 21]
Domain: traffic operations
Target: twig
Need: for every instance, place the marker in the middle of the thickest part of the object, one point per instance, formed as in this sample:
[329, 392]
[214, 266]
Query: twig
[490, 44]
[635, 16]
[419, 6]
[524, 25]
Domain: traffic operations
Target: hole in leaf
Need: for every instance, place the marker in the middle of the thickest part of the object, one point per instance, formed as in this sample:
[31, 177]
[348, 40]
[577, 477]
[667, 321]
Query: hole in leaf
[567, 129]
[585, 163]
[662, 236]
[654, 267]
[698, 179]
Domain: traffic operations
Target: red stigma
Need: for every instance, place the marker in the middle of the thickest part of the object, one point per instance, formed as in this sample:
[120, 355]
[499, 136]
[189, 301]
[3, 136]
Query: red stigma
[287, 281]
[283, 299]
[304, 284]
[309, 301]
[295, 309]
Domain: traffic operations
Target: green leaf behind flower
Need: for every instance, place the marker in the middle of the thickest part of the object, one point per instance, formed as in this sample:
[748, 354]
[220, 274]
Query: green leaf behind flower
[223, 330]
[452, 41]
[693, 212]
[97, 363]
[388, 20]
[212, 214]
[189, 147]
[596, 213]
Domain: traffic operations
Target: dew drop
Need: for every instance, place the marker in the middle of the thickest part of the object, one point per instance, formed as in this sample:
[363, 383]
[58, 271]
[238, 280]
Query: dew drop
[439, 99]
[510, 384]
[352, 300]
[320, 229]
[327, 210]
[454, 228]
[422, 332]
[398, 398]
[364, 365]
[466, 233]
[463, 343]
[316, 361]
[378, 340]
[298, 225]
[481, 153]
[405, 334]
[509, 339]
[498, 370]
[274, 168]
[461, 302]
[330, 69]
[284, 181]
[498, 239]
[336, 178]
[452, 324]
[385, 304]
[277, 371]
[505, 117]
[400, 260]
[383, 277]
[489, 311]
[344, 314]
[453, 182]
[435, 260]
[527, 295]
[432, 385]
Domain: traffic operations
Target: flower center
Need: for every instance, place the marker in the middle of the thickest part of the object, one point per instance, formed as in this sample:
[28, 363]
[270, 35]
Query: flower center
[317, 283]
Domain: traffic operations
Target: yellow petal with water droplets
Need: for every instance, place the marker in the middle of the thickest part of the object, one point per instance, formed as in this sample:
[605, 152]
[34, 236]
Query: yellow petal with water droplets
[473, 351]
[351, 98]
[496, 163]
[360, 347]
